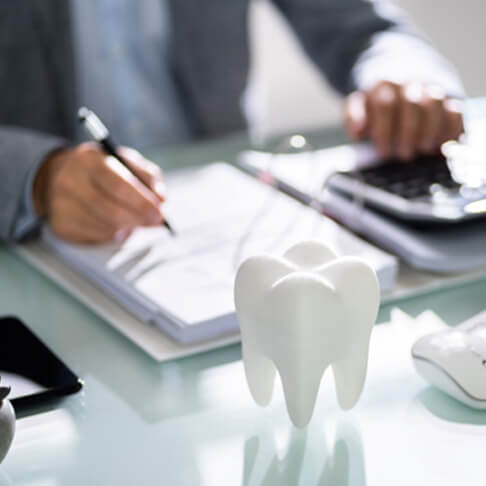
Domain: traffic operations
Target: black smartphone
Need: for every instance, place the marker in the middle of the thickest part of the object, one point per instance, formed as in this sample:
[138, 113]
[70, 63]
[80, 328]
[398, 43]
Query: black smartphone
[34, 373]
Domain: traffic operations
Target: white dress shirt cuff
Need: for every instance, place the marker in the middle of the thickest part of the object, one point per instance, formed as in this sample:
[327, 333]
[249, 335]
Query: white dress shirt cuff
[403, 58]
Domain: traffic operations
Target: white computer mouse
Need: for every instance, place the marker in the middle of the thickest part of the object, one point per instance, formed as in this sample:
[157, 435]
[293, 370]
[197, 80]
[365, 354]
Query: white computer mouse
[454, 360]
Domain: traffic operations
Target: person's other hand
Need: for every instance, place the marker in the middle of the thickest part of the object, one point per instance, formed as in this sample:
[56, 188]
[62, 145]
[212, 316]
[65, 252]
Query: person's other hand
[403, 120]
[89, 197]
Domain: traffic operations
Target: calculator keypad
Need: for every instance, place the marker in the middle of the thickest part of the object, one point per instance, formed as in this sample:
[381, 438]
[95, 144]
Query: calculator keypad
[409, 180]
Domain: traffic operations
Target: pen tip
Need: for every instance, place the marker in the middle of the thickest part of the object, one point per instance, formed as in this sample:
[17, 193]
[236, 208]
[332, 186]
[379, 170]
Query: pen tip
[169, 228]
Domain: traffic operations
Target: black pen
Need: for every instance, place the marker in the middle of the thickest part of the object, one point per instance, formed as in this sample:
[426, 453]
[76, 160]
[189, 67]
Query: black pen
[95, 127]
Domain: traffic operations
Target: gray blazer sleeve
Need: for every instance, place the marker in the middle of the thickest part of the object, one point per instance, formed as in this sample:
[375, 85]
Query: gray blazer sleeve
[356, 43]
[21, 151]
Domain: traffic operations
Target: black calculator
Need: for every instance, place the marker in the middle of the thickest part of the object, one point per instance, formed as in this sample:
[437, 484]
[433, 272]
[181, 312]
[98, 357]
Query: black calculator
[422, 190]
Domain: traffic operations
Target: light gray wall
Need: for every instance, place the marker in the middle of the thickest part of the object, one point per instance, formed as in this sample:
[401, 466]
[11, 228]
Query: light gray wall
[287, 94]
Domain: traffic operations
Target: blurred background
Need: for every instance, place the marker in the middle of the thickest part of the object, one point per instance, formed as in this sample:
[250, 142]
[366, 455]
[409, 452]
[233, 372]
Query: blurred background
[279, 68]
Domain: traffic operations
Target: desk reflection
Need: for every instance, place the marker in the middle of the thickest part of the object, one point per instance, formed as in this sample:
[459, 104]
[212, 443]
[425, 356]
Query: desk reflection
[449, 410]
[341, 458]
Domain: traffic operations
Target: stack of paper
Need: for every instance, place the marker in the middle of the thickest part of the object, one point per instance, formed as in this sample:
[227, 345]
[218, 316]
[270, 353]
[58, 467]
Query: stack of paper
[184, 284]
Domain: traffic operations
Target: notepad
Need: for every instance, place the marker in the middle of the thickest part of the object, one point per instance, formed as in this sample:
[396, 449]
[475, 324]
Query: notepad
[184, 284]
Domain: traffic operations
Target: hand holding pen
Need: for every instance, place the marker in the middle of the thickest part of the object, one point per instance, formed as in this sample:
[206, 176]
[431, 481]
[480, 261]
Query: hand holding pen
[89, 197]
[95, 127]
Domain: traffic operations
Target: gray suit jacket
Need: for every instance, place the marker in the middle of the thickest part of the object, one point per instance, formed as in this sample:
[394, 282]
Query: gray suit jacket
[210, 62]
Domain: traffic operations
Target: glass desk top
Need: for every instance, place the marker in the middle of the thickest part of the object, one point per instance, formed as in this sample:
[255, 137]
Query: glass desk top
[193, 422]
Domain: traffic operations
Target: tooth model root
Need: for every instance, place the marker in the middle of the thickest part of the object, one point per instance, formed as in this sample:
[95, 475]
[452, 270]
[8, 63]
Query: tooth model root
[299, 314]
[261, 376]
[300, 395]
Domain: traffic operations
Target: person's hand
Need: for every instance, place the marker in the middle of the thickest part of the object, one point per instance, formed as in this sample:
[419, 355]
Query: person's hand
[88, 197]
[403, 120]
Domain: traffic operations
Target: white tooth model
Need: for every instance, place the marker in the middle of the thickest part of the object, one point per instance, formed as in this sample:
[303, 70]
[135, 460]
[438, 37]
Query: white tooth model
[300, 313]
